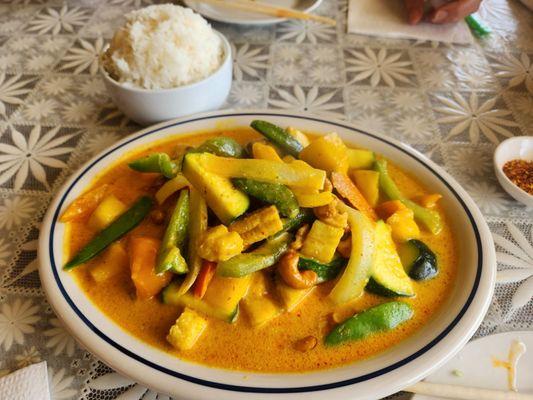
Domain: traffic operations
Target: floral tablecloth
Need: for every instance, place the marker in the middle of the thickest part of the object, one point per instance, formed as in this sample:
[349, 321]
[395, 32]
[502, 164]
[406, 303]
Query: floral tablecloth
[453, 103]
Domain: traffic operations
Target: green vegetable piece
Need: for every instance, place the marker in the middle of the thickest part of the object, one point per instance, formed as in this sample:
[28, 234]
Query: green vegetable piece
[271, 193]
[418, 259]
[388, 277]
[156, 162]
[222, 146]
[118, 228]
[429, 218]
[172, 246]
[278, 136]
[383, 317]
[305, 215]
[325, 272]
[263, 257]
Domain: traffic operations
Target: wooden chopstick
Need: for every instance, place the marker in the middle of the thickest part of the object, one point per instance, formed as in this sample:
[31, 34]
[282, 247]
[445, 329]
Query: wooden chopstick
[464, 392]
[262, 8]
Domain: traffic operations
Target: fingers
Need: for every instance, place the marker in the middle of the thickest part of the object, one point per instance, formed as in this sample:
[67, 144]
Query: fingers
[453, 11]
[415, 10]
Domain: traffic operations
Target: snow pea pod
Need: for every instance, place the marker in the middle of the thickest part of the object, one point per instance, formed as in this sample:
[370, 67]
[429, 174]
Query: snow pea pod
[156, 162]
[118, 228]
[221, 146]
[271, 193]
[383, 317]
[172, 246]
[264, 256]
[278, 136]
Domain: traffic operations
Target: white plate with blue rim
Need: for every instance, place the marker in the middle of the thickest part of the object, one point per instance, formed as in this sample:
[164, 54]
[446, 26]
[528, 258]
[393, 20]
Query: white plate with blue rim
[240, 17]
[479, 365]
[388, 372]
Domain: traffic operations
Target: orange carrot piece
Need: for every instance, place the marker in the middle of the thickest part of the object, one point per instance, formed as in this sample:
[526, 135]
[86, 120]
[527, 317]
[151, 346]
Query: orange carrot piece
[386, 209]
[143, 255]
[204, 277]
[84, 205]
[347, 189]
[428, 200]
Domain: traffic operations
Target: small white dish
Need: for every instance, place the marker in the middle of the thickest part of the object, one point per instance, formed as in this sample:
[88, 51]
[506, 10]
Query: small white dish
[372, 378]
[520, 147]
[146, 106]
[475, 369]
[238, 17]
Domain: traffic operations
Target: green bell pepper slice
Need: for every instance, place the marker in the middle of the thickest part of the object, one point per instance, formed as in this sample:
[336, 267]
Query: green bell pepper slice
[429, 218]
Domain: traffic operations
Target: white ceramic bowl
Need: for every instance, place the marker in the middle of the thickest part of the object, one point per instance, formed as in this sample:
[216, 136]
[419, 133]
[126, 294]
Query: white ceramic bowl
[373, 378]
[146, 106]
[520, 147]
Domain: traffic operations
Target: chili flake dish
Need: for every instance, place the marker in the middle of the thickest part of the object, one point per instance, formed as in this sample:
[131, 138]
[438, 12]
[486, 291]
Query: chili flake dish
[262, 249]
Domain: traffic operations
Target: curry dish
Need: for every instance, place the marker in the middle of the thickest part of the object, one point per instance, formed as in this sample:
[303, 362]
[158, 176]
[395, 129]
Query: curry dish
[261, 249]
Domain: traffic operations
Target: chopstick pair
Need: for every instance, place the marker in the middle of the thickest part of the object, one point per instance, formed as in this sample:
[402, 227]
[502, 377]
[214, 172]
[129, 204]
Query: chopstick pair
[281, 12]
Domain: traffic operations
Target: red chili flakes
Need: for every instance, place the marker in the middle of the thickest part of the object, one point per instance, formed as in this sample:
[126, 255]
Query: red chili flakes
[520, 172]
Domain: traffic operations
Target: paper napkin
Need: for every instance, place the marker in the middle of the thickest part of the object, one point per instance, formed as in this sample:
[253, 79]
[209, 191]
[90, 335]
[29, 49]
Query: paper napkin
[30, 383]
[388, 18]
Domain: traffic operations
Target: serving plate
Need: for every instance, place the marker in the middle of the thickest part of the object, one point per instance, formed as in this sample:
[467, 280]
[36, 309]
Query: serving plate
[239, 17]
[372, 378]
[474, 365]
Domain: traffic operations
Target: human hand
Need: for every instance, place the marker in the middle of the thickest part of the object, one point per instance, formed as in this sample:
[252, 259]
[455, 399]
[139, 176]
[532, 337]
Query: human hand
[449, 12]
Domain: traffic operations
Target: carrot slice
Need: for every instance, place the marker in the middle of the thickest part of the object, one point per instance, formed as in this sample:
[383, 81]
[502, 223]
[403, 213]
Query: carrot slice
[204, 277]
[428, 200]
[386, 209]
[143, 255]
[347, 189]
[84, 205]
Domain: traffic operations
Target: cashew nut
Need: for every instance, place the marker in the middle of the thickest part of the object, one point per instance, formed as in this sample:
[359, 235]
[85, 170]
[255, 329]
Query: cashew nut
[300, 236]
[288, 269]
[305, 344]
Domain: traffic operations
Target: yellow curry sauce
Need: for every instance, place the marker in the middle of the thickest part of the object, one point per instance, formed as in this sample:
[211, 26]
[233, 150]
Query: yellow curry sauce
[269, 348]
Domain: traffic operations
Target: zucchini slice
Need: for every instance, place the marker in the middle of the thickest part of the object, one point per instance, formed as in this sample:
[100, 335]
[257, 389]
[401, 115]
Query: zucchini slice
[388, 277]
[325, 272]
[418, 260]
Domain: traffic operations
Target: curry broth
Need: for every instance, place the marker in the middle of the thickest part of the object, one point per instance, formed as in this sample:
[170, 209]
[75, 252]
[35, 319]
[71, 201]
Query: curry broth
[239, 346]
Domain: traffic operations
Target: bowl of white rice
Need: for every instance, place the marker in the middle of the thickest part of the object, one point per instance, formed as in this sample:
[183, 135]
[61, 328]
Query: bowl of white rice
[166, 62]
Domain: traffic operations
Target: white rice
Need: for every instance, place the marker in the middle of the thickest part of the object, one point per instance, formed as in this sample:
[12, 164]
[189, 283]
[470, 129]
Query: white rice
[162, 47]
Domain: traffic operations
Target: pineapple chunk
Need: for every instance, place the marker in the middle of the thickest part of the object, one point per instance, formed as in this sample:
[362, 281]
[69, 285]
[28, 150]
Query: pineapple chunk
[113, 261]
[218, 244]
[291, 297]
[258, 225]
[403, 225]
[368, 183]
[322, 241]
[263, 151]
[107, 211]
[299, 136]
[187, 330]
[328, 153]
[260, 309]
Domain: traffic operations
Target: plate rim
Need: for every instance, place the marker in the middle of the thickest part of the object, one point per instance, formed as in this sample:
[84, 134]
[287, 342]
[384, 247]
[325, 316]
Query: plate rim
[259, 22]
[486, 257]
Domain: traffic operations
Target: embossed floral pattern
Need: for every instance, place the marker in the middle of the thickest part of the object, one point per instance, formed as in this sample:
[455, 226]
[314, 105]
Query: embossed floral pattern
[378, 66]
[16, 321]
[28, 156]
[455, 103]
[53, 21]
[467, 114]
